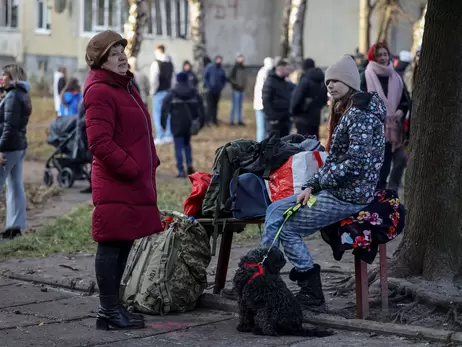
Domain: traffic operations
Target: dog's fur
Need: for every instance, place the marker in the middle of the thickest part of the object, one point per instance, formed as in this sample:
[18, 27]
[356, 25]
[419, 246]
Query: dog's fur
[266, 305]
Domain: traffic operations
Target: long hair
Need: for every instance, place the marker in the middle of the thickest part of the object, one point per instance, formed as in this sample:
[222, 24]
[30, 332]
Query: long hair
[337, 110]
[71, 86]
[15, 73]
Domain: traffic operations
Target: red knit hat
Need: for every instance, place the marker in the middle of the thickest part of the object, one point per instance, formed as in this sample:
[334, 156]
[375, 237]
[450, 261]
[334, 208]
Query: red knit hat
[371, 52]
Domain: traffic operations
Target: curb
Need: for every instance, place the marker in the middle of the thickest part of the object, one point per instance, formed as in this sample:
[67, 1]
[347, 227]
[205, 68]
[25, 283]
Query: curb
[216, 302]
[77, 284]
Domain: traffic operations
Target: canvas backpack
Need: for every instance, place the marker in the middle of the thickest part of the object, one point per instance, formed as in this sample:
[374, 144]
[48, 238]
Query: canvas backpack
[167, 272]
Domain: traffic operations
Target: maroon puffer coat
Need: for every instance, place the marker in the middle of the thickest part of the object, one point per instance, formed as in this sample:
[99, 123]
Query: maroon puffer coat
[124, 158]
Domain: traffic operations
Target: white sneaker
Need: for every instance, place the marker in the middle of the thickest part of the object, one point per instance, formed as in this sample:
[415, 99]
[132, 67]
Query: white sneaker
[159, 142]
[168, 139]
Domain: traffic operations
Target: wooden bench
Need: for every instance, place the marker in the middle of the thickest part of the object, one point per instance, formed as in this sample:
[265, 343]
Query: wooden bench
[228, 226]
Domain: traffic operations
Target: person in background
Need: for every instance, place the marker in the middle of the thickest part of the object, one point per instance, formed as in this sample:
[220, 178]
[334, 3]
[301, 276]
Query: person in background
[381, 77]
[15, 110]
[404, 60]
[411, 72]
[214, 77]
[71, 96]
[308, 99]
[2, 89]
[262, 74]
[184, 105]
[192, 78]
[276, 95]
[59, 82]
[238, 81]
[125, 161]
[161, 79]
[140, 79]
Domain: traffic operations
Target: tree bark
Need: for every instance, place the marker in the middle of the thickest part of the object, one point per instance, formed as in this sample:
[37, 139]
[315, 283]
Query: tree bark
[135, 27]
[197, 18]
[364, 25]
[386, 9]
[296, 25]
[284, 39]
[432, 242]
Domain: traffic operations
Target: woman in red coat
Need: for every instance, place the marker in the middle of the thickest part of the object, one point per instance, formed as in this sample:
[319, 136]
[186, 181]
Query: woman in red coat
[123, 173]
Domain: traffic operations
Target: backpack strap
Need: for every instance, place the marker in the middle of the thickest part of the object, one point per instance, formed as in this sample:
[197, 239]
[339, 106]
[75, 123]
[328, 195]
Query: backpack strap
[268, 147]
[233, 155]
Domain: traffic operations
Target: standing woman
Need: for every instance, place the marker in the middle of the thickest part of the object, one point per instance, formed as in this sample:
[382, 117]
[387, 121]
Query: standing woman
[71, 96]
[381, 77]
[124, 167]
[15, 109]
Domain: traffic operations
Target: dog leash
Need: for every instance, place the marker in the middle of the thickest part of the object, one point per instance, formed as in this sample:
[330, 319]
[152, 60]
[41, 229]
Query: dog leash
[287, 214]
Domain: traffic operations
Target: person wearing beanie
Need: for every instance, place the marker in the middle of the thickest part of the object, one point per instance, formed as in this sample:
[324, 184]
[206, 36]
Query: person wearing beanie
[186, 109]
[344, 185]
[381, 77]
[214, 77]
[238, 80]
[308, 99]
[192, 78]
[119, 133]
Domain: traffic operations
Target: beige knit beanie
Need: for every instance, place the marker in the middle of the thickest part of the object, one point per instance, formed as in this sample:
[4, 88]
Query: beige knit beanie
[346, 71]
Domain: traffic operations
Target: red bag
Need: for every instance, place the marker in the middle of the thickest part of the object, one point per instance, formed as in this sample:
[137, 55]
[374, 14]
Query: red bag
[200, 183]
[289, 178]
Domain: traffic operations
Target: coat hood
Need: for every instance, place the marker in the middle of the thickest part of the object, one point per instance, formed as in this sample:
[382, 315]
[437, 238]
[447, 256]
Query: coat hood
[183, 91]
[370, 102]
[315, 74]
[268, 63]
[163, 57]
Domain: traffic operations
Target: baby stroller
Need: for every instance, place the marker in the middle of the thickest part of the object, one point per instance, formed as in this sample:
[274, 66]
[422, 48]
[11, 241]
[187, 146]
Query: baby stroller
[71, 157]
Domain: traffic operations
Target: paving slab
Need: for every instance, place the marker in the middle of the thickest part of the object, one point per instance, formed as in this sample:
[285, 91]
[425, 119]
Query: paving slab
[14, 319]
[7, 282]
[76, 307]
[23, 294]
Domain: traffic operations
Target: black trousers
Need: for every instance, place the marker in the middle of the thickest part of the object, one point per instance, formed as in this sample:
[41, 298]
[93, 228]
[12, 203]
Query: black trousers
[213, 100]
[110, 261]
[398, 159]
[307, 129]
[283, 126]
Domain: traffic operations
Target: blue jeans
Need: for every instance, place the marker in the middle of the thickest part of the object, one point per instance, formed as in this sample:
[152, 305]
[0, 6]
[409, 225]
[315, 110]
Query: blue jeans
[306, 221]
[237, 103]
[261, 125]
[182, 144]
[11, 175]
[157, 101]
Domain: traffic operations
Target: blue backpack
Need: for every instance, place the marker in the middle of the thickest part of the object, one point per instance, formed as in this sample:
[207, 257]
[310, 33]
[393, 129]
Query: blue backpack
[249, 197]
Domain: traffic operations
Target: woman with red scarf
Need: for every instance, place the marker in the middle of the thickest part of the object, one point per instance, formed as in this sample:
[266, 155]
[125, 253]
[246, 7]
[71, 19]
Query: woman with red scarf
[381, 77]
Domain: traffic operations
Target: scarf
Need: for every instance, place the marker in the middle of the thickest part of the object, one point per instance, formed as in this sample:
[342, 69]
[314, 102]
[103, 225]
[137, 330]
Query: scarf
[393, 127]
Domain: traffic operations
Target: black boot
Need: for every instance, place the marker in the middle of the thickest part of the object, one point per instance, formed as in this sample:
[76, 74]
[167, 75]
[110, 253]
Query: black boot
[310, 296]
[11, 233]
[190, 170]
[121, 263]
[111, 314]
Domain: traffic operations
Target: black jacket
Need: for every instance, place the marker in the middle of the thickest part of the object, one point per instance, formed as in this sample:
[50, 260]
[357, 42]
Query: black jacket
[15, 109]
[184, 104]
[192, 79]
[276, 97]
[238, 77]
[309, 97]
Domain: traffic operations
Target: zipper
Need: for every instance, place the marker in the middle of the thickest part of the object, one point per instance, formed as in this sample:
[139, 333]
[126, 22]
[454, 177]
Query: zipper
[147, 128]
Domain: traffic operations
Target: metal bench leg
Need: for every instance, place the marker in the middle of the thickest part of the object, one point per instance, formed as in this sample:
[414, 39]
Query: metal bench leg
[223, 260]
[362, 289]
[384, 277]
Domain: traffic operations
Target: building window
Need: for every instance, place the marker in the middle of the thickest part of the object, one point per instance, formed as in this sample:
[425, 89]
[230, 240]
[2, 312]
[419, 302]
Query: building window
[43, 22]
[168, 18]
[100, 15]
[9, 14]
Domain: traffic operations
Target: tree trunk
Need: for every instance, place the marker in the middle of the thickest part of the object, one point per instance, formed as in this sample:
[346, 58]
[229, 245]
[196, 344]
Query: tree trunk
[295, 32]
[135, 27]
[284, 40]
[386, 11]
[197, 17]
[364, 26]
[432, 243]
[418, 32]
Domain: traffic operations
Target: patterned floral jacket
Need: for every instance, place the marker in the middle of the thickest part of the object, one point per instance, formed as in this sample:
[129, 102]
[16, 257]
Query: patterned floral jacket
[351, 171]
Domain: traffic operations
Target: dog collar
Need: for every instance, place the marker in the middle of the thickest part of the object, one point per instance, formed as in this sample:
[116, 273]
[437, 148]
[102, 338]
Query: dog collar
[261, 271]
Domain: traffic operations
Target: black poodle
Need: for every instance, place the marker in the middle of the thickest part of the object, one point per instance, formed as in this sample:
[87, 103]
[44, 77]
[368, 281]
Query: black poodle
[266, 305]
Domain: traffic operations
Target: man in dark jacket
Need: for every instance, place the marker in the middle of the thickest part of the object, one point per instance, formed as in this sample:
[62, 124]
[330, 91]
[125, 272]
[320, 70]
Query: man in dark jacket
[184, 105]
[308, 99]
[192, 79]
[214, 78]
[238, 80]
[276, 97]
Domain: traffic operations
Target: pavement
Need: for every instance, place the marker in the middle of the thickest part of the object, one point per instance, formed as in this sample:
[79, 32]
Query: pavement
[41, 316]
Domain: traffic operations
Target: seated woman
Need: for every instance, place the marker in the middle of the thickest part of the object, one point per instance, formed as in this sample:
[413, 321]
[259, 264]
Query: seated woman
[345, 183]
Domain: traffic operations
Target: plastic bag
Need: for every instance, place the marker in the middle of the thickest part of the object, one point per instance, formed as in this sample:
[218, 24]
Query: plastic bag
[200, 183]
[289, 178]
